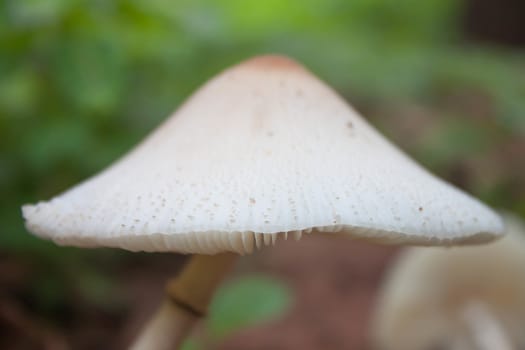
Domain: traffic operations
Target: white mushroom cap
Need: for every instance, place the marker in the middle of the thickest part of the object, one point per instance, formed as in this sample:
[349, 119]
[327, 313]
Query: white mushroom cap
[263, 148]
[431, 294]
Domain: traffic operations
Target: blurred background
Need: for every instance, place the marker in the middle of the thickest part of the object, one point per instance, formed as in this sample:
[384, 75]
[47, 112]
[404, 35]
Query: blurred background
[81, 81]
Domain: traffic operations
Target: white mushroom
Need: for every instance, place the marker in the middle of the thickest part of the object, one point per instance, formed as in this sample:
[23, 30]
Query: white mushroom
[263, 149]
[458, 298]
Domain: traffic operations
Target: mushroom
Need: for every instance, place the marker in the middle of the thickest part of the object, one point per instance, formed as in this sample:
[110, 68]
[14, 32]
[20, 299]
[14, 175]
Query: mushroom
[261, 152]
[458, 298]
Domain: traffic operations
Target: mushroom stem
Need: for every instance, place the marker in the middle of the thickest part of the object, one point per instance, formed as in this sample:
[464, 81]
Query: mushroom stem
[187, 299]
[486, 330]
[167, 329]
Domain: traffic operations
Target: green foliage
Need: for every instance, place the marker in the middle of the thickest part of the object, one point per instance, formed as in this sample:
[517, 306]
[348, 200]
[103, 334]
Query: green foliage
[453, 141]
[245, 302]
[190, 344]
[240, 303]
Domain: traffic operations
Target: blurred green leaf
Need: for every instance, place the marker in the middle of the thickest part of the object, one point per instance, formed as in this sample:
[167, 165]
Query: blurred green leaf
[190, 344]
[246, 302]
[454, 140]
[18, 92]
[90, 71]
[31, 13]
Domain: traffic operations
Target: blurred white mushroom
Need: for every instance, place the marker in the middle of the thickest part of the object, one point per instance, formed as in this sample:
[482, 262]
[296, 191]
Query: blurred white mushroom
[263, 150]
[456, 298]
